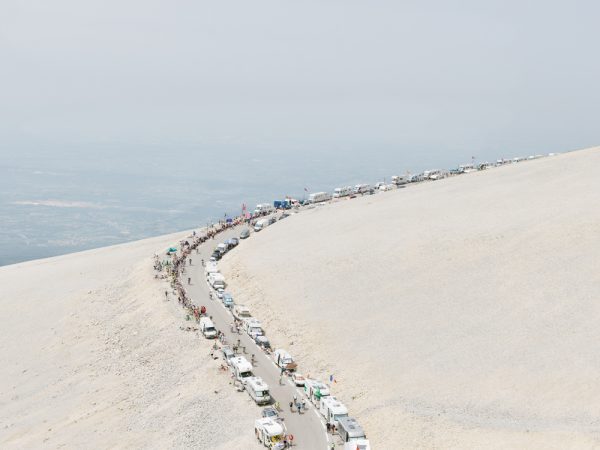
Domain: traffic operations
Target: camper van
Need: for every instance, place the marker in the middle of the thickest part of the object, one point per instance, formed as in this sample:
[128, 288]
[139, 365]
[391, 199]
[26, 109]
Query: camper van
[242, 369]
[282, 358]
[253, 327]
[258, 390]
[263, 208]
[332, 409]
[207, 327]
[260, 224]
[358, 444]
[387, 187]
[315, 390]
[216, 280]
[349, 429]
[362, 188]
[269, 433]
[399, 180]
[241, 312]
[318, 197]
[342, 192]
[211, 267]
[222, 248]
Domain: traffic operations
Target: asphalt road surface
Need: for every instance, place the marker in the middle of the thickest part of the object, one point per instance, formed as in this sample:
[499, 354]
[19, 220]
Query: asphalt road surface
[307, 428]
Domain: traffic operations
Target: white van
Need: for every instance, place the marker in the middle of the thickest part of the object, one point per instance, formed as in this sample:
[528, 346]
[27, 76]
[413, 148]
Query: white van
[216, 280]
[207, 327]
[332, 409]
[242, 369]
[342, 192]
[282, 358]
[258, 390]
[222, 248]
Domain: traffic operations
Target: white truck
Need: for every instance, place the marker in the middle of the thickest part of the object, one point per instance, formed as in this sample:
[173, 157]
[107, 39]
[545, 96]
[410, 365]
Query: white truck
[332, 409]
[318, 197]
[269, 433]
[282, 358]
[315, 390]
[258, 390]
[260, 224]
[216, 280]
[342, 192]
[242, 369]
[241, 312]
[207, 327]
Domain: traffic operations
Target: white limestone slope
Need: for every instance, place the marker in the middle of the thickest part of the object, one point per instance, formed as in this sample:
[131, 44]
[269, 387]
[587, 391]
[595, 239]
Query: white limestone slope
[92, 356]
[462, 313]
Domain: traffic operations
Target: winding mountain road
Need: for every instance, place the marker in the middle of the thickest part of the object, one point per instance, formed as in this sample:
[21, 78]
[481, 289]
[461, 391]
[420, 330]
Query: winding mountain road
[308, 428]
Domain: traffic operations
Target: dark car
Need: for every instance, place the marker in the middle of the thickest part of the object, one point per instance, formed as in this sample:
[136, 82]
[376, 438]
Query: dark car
[216, 255]
[270, 412]
[262, 341]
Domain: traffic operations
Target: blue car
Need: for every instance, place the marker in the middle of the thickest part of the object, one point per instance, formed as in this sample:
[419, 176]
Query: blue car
[228, 300]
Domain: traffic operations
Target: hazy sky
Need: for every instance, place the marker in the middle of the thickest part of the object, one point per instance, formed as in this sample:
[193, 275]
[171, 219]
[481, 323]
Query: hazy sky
[300, 76]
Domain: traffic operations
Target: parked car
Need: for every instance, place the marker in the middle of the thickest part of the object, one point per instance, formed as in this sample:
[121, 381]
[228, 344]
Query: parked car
[228, 354]
[272, 220]
[245, 234]
[298, 379]
[262, 342]
[270, 412]
[220, 293]
[227, 300]
[216, 254]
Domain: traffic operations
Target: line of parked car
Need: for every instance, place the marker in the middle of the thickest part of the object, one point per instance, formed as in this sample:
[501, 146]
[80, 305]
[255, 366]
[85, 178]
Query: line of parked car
[268, 429]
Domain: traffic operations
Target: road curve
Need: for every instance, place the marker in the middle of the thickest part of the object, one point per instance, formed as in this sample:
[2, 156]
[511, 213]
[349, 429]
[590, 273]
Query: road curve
[308, 428]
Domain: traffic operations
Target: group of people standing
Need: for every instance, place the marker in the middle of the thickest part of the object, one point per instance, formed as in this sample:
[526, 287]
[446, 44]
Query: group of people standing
[176, 266]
